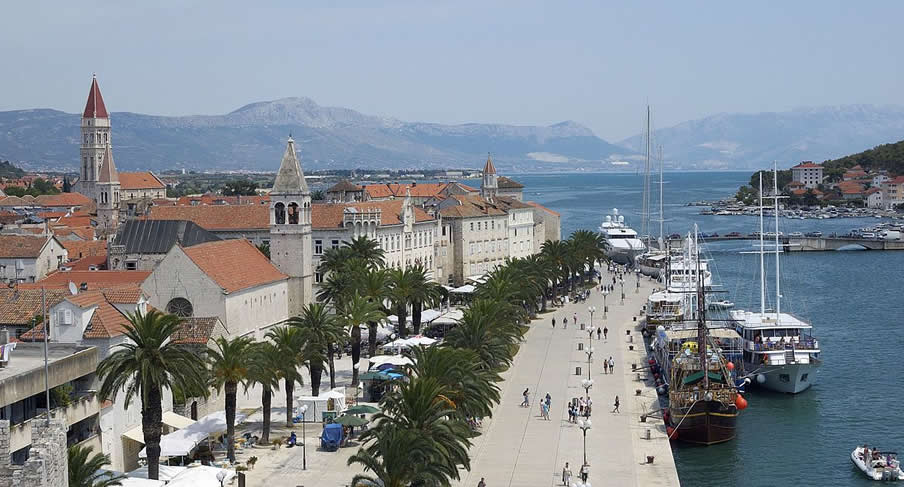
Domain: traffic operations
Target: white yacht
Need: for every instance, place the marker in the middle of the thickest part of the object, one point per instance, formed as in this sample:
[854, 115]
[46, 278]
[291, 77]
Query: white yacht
[622, 244]
[780, 351]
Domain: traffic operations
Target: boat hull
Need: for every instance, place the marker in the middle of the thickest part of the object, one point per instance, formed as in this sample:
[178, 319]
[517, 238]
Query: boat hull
[650, 271]
[790, 379]
[622, 256]
[705, 422]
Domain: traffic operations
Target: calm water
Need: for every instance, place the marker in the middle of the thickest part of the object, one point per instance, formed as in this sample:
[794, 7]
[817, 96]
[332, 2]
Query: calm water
[853, 299]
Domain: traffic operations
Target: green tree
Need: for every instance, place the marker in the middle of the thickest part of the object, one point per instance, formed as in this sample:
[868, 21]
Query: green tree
[423, 292]
[290, 348]
[471, 387]
[401, 287]
[319, 331]
[374, 284]
[264, 366]
[356, 311]
[143, 366]
[264, 248]
[241, 187]
[228, 361]
[85, 468]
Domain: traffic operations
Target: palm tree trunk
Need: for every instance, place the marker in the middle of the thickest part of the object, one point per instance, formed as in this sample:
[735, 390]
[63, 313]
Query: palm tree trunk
[372, 339]
[290, 387]
[230, 388]
[402, 313]
[416, 308]
[332, 366]
[356, 352]
[151, 427]
[316, 374]
[266, 397]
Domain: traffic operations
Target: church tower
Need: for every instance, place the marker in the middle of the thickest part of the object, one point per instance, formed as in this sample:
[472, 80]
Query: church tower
[489, 186]
[96, 137]
[290, 229]
[107, 190]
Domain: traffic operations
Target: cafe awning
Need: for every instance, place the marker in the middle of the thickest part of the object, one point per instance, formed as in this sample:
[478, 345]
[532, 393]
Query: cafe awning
[169, 418]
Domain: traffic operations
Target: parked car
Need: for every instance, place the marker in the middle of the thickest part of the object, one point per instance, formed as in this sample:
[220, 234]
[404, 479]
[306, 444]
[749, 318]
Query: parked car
[795, 234]
[733, 234]
[814, 234]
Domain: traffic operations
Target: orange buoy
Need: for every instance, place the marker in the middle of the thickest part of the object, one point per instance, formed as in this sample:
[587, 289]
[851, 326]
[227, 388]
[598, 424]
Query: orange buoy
[740, 402]
[730, 365]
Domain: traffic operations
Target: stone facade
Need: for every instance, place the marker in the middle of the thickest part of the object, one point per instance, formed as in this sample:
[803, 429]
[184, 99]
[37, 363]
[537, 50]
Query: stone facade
[47, 464]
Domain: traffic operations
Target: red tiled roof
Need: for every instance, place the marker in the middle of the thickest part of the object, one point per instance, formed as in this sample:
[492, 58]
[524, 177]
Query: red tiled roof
[95, 107]
[87, 262]
[396, 190]
[806, 164]
[541, 207]
[234, 264]
[213, 199]
[94, 279]
[897, 180]
[873, 190]
[217, 217]
[14, 201]
[80, 248]
[75, 221]
[799, 192]
[470, 206]
[139, 180]
[195, 330]
[489, 168]
[63, 200]
[344, 185]
[83, 233]
[329, 215]
[21, 246]
[20, 306]
[504, 182]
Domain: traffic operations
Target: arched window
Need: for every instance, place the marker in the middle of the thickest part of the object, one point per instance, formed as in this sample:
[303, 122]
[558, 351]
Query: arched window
[105, 137]
[280, 212]
[92, 138]
[293, 213]
[180, 307]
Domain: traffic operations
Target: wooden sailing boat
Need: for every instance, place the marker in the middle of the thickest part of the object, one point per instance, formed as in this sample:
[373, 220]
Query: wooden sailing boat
[703, 398]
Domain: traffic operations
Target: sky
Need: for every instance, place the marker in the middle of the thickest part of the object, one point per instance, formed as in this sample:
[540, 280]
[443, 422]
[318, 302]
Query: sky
[519, 62]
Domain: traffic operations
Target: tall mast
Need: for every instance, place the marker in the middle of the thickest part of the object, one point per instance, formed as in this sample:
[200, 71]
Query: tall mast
[701, 322]
[661, 214]
[762, 253]
[778, 290]
[644, 226]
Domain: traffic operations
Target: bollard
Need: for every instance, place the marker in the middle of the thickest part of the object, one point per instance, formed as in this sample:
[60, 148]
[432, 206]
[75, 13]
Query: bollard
[577, 371]
[627, 332]
[631, 339]
[633, 367]
[635, 319]
[580, 345]
[630, 347]
[637, 393]
[582, 326]
[650, 458]
[648, 435]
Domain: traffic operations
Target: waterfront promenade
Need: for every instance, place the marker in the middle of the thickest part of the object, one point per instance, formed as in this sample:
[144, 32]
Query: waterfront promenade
[518, 448]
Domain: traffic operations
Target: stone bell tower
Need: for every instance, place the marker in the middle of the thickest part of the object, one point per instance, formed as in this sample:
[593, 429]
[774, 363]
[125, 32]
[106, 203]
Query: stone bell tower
[95, 137]
[290, 229]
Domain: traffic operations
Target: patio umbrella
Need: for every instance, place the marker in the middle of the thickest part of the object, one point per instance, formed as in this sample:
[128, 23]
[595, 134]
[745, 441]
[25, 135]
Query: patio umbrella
[350, 420]
[362, 409]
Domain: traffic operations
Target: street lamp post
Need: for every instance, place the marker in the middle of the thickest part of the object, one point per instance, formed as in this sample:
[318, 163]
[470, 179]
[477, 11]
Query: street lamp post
[304, 446]
[585, 426]
[587, 384]
[589, 353]
[621, 281]
[591, 309]
[605, 307]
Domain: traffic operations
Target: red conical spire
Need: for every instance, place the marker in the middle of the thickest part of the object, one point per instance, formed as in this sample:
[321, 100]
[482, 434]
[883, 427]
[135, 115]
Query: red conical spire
[488, 168]
[95, 107]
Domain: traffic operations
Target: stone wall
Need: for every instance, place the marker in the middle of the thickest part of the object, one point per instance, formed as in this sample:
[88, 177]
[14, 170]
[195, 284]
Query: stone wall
[47, 464]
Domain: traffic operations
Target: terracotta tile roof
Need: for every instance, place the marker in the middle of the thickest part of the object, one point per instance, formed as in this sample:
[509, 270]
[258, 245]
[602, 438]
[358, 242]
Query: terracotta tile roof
[798, 192]
[80, 248]
[139, 180]
[95, 107]
[217, 217]
[329, 215]
[20, 306]
[234, 264]
[7, 217]
[21, 246]
[14, 201]
[470, 206]
[47, 215]
[541, 207]
[94, 279]
[873, 190]
[196, 330]
[64, 200]
[106, 321]
[99, 262]
[795, 184]
[213, 199]
[897, 180]
[506, 203]
[75, 221]
[850, 187]
[396, 190]
[806, 164]
[344, 185]
[504, 182]
[83, 233]
[489, 168]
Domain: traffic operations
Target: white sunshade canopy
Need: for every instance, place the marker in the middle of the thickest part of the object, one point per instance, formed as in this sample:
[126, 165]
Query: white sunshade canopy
[466, 289]
[427, 316]
[194, 476]
[390, 359]
[414, 341]
[182, 442]
[169, 418]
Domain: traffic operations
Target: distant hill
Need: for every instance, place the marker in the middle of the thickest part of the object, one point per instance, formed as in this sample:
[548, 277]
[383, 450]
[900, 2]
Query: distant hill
[7, 170]
[752, 141]
[253, 137]
[887, 156]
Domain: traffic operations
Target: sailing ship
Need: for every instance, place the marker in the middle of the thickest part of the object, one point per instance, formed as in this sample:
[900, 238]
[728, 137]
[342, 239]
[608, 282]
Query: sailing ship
[703, 398]
[780, 351]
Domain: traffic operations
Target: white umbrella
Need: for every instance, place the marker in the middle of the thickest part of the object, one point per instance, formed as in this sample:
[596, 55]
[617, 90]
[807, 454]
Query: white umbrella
[419, 340]
[390, 359]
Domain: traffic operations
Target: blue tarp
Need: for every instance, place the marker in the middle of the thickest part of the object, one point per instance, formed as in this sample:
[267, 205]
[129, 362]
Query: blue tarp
[331, 436]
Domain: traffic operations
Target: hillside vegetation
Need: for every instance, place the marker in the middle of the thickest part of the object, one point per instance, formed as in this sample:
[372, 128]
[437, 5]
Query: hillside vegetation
[9, 171]
[887, 156]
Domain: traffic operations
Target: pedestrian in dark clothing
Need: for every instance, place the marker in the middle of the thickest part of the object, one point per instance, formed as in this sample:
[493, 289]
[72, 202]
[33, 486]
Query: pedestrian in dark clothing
[482, 483]
[553, 322]
[606, 332]
[598, 333]
[616, 405]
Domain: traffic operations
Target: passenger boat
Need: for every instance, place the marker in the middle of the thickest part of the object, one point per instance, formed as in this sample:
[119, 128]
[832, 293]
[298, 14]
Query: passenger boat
[621, 242]
[877, 465]
[722, 304]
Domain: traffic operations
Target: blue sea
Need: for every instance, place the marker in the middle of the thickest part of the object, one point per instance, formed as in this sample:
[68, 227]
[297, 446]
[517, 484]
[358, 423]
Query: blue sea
[855, 301]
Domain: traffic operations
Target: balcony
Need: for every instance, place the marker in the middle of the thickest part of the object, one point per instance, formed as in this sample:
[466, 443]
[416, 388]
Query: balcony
[83, 406]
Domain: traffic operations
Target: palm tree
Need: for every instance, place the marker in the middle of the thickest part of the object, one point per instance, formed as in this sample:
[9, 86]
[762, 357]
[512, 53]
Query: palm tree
[556, 253]
[373, 284]
[264, 366]
[423, 291]
[401, 287]
[368, 250]
[469, 385]
[397, 458]
[357, 311]
[229, 366]
[143, 366]
[289, 347]
[489, 330]
[319, 332]
[85, 468]
[334, 259]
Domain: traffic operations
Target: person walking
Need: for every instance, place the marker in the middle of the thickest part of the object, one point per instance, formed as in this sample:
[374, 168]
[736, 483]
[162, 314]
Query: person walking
[616, 405]
[605, 366]
[566, 474]
[611, 366]
[526, 402]
[553, 322]
[575, 317]
[598, 333]
[606, 332]
[565, 321]
[548, 399]
[482, 483]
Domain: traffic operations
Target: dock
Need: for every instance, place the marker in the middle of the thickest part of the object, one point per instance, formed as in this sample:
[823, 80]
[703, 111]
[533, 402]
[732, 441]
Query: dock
[519, 448]
[816, 244]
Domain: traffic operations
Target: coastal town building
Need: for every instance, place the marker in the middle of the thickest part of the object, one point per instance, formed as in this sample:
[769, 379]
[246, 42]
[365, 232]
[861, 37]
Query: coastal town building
[229, 279]
[893, 193]
[21, 308]
[873, 198]
[142, 244]
[808, 173]
[478, 236]
[249, 222]
[510, 188]
[28, 258]
[345, 192]
[71, 373]
[291, 244]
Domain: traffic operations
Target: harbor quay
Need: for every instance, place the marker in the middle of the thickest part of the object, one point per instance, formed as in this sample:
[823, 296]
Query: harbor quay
[518, 447]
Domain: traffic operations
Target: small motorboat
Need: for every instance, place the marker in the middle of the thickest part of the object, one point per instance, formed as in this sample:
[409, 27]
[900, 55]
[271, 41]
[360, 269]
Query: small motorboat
[723, 304]
[877, 465]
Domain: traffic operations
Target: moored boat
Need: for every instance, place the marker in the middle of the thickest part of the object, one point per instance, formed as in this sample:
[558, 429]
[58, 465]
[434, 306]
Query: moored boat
[621, 242]
[877, 465]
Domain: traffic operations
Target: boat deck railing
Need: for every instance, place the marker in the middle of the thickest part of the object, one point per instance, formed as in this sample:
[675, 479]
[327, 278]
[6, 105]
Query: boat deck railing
[686, 398]
[804, 344]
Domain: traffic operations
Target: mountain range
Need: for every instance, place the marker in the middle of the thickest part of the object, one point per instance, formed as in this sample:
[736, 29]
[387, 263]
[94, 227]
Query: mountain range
[253, 137]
